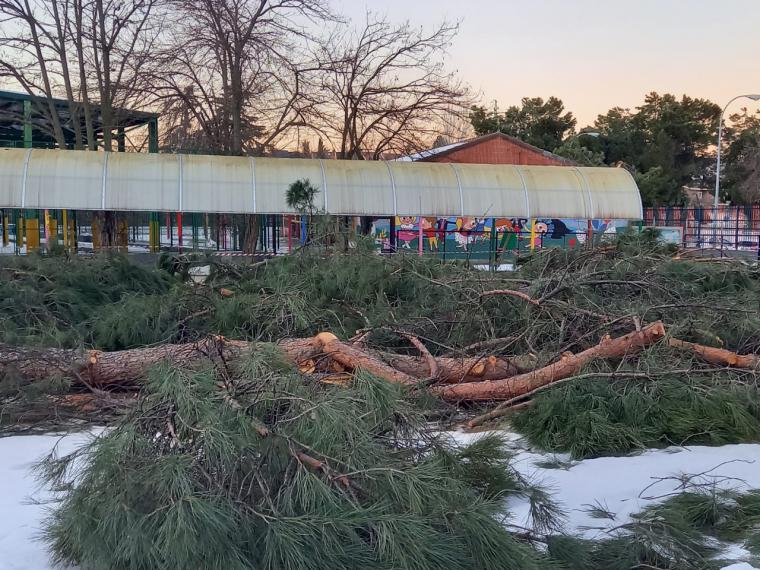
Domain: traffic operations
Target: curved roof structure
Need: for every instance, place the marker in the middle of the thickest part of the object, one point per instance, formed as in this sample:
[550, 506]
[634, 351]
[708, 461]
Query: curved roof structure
[62, 179]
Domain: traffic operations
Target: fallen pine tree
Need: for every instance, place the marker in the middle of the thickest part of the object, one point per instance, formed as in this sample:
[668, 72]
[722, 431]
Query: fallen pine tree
[412, 321]
[339, 478]
[128, 368]
[228, 457]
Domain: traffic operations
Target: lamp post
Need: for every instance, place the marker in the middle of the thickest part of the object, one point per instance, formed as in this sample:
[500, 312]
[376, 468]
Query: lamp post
[754, 97]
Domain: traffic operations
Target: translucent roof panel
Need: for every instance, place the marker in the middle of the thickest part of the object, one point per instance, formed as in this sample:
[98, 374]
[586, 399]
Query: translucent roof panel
[359, 186]
[142, 182]
[53, 180]
[611, 193]
[275, 175]
[556, 192]
[217, 183]
[489, 188]
[172, 183]
[11, 178]
[425, 188]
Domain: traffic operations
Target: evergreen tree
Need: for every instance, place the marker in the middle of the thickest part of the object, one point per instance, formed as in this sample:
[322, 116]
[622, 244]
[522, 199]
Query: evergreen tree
[541, 123]
[666, 142]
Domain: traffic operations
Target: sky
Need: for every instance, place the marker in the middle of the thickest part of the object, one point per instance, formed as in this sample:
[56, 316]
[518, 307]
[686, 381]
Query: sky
[593, 54]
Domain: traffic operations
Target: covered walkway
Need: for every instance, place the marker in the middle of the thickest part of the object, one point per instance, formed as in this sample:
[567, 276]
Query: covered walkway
[79, 180]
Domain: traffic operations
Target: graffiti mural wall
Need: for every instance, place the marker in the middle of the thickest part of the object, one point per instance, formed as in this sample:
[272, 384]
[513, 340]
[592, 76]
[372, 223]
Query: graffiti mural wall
[474, 237]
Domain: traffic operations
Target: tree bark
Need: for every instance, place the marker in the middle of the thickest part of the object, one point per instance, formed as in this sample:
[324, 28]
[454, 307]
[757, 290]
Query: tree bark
[252, 230]
[567, 366]
[718, 356]
[453, 370]
[127, 368]
[353, 358]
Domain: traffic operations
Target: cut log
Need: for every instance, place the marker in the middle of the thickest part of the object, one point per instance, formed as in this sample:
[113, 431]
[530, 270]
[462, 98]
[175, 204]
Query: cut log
[126, 368]
[568, 365]
[453, 370]
[494, 378]
[718, 356]
[353, 358]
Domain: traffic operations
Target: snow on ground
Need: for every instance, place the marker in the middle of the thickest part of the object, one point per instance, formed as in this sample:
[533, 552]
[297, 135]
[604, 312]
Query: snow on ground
[626, 485]
[22, 507]
[622, 485]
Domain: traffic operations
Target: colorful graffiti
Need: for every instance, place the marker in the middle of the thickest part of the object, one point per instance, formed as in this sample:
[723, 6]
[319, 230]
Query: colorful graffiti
[460, 237]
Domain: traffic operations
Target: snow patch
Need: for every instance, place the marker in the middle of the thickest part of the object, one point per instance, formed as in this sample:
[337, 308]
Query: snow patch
[625, 485]
[22, 502]
[621, 485]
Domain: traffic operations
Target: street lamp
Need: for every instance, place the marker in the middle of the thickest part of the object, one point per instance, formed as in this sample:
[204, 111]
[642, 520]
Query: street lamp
[754, 97]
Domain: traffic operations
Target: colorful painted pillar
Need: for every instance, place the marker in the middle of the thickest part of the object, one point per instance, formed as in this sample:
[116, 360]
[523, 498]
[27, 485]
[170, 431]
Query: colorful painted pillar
[420, 235]
[32, 231]
[18, 224]
[154, 232]
[65, 226]
[51, 230]
[195, 230]
[69, 222]
[179, 232]
[95, 234]
[122, 234]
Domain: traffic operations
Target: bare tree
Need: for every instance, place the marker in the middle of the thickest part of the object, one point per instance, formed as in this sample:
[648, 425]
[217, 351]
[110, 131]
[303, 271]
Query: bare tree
[29, 55]
[73, 49]
[235, 76]
[388, 88]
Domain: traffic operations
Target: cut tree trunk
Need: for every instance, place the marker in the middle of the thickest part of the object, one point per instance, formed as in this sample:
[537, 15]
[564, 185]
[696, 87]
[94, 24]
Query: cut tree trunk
[126, 368]
[567, 366]
[454, 370]
[718, 356]
[353, 358]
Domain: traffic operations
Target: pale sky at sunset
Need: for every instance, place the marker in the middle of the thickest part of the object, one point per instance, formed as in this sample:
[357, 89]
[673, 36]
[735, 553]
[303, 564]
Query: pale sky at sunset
[593, 54]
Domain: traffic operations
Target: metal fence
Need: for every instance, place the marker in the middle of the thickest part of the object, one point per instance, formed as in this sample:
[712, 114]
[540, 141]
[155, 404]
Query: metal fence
[726, 229]
[40, 231]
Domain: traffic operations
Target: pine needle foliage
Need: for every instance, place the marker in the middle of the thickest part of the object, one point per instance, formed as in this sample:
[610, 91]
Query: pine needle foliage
[110, 303]
[189, 480]
[53, 300]
[618, 415]
[684, 532]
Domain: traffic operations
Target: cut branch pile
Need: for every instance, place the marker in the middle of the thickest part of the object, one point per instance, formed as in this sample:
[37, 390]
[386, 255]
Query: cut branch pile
[469, 379]
[466, 337]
